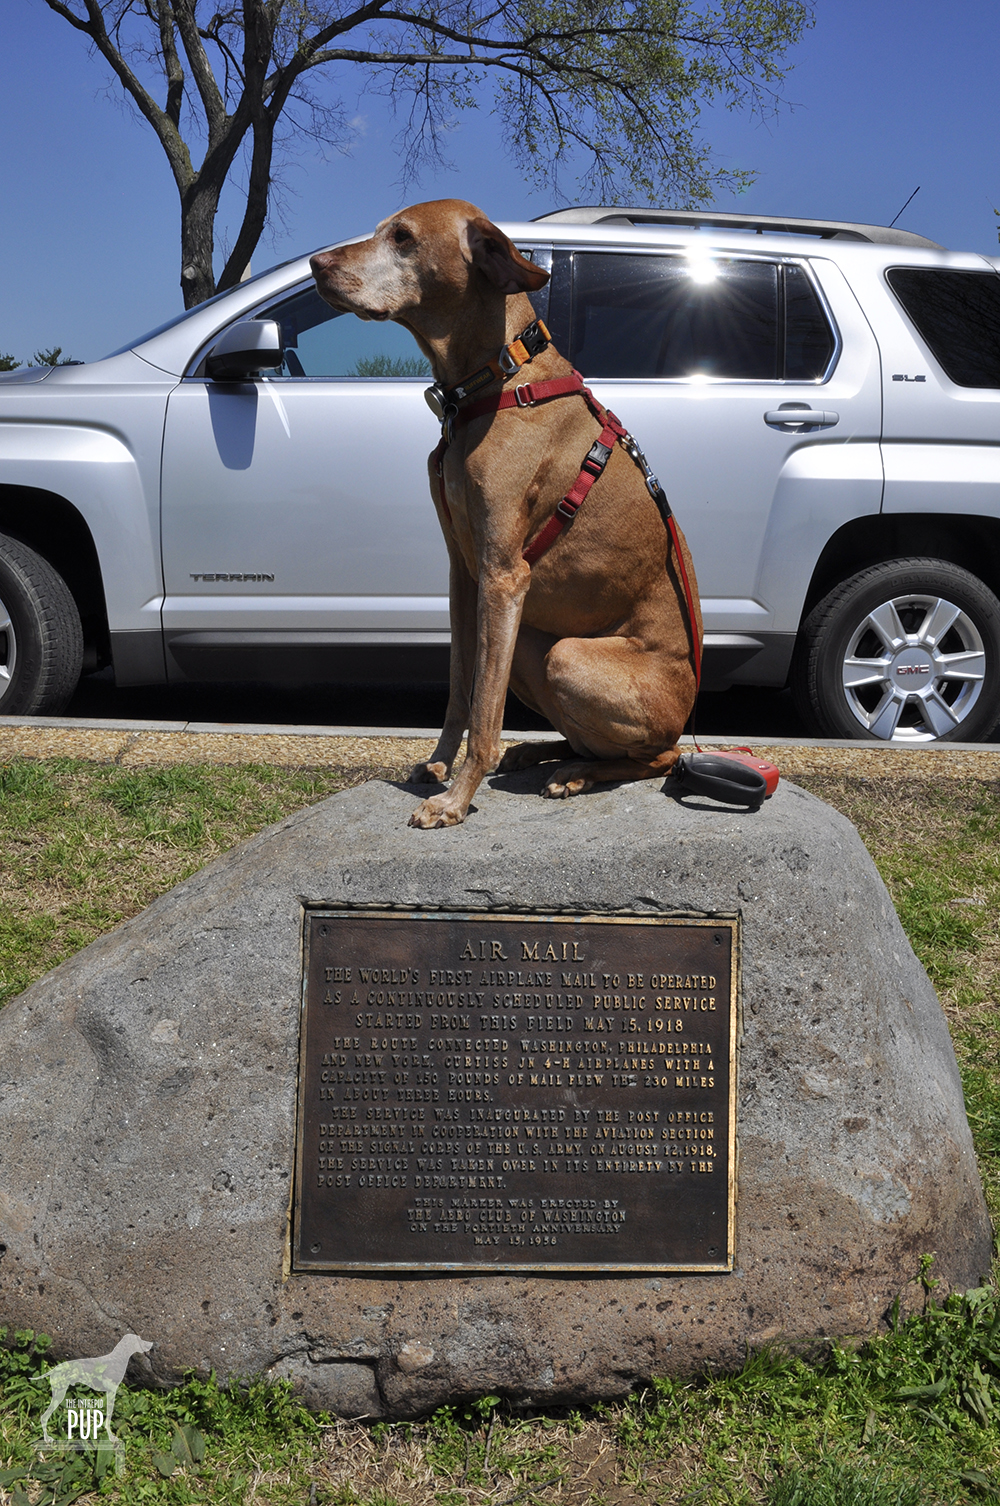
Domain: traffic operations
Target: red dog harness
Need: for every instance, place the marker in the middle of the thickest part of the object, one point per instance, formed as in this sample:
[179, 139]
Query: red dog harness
[449, 404]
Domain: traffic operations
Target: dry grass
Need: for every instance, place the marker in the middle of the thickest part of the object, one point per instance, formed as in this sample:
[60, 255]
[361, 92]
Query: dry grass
[573, 1462]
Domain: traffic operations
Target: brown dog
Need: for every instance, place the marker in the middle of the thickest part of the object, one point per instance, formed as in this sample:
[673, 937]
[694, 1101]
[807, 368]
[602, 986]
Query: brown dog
[595, 634]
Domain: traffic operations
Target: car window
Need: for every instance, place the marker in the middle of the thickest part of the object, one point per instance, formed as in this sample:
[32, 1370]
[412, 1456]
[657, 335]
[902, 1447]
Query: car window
[323, 342]
[673, 316]
[809, 340]
[958, 315]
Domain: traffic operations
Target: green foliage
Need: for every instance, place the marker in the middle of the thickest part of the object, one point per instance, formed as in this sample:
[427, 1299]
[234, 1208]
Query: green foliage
[835, 1484]
[926, 1394]
[613, 90]
[8, 363]
[187, 1449]
[197, 1431]
[391, 366]
[52, 357]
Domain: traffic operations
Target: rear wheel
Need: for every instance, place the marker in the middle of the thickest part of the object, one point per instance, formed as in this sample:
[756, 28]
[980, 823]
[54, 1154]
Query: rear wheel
[906, 652]
[41, 641]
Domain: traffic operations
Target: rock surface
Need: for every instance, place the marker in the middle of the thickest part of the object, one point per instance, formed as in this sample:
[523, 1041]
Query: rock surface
[147, 1110]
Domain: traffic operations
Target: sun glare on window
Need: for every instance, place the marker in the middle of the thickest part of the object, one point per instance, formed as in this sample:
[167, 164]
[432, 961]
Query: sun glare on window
[702, 269]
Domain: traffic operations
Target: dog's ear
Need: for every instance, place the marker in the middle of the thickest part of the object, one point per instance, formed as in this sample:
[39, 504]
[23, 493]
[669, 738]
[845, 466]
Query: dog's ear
[500, 260]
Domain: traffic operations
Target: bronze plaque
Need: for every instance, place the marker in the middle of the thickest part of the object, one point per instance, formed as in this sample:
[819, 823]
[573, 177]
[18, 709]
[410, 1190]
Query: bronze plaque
[516, 1093]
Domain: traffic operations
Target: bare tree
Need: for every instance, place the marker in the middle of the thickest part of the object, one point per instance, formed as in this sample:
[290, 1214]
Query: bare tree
[616, 83]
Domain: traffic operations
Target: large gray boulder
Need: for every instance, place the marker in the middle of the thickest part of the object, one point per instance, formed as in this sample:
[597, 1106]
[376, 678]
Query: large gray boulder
[147, 1110]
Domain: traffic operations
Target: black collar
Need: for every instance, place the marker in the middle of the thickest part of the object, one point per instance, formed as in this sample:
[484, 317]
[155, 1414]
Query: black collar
[530, 342]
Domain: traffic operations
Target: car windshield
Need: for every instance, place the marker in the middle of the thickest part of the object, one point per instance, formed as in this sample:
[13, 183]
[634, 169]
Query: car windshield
[206, 303]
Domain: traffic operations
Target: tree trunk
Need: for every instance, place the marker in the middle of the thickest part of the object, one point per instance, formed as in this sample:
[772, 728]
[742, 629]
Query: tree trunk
[258, 194]
[198, 210]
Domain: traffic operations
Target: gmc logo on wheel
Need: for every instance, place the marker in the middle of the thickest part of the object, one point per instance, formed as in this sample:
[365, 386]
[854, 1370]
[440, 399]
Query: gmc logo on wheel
[913, 669]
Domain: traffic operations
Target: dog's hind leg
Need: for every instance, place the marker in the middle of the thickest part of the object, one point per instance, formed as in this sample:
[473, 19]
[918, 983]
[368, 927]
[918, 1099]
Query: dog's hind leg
[527, 755]
[575, 778]
[529, 683]
[625, 704]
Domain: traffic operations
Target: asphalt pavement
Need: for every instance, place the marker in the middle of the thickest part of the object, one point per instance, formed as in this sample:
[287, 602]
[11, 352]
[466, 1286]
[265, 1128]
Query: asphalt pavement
[737, 714]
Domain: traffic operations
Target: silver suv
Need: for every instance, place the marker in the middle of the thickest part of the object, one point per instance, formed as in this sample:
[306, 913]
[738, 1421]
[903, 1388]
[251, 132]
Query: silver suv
[242, 493]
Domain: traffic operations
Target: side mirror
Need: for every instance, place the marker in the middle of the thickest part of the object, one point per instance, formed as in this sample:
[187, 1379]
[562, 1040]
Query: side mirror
[245, 350]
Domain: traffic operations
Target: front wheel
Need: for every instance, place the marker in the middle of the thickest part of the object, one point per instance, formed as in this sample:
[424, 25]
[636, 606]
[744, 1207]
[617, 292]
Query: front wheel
[905, 652]
[41, 641]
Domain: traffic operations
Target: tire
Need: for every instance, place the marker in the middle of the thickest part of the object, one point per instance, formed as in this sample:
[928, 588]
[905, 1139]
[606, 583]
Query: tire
[41, 641]
[905, 652]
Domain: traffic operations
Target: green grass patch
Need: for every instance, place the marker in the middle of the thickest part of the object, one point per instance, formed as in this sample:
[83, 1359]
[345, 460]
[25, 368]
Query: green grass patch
[84, 846]
[909, 1416]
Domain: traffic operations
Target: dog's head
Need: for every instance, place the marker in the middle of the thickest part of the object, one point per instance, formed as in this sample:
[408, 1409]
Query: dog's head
[421, 262]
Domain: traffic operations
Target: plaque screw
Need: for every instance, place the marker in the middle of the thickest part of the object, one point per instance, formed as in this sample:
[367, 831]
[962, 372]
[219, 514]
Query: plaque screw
[314, 1249]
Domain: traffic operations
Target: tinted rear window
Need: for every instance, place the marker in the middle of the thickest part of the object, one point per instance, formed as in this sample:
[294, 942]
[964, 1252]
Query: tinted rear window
[809, 342]
[664, 316]
[958, 315]
[670, 316]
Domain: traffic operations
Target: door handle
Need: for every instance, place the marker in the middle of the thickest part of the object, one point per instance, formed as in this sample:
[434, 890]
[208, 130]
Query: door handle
[798, 417]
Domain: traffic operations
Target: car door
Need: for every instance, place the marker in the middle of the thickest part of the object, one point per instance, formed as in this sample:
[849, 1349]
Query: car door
[942, 388]
[759, 416]
[296, 516]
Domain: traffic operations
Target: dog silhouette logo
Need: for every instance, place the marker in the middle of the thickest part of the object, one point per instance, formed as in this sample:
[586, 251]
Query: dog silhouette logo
[86, 1420]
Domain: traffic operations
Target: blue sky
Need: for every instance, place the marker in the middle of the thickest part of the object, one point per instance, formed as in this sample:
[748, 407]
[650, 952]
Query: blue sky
[884, 95]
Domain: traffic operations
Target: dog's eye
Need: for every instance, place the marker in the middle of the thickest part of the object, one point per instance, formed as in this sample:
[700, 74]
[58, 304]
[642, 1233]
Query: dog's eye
[402, 236]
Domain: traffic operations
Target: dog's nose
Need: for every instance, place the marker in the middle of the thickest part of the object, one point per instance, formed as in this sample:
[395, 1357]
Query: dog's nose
[321, 262]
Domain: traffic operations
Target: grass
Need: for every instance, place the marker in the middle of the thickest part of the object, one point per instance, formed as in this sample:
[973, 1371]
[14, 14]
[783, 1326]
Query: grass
[912, 1416]
[84, 846]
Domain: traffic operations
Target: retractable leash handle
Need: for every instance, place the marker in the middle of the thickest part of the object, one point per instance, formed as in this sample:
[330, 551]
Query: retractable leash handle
[738, 778]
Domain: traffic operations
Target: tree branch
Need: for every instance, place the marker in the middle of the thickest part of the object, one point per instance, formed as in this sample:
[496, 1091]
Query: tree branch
[171, 62]
[201, 69]
[166, 129]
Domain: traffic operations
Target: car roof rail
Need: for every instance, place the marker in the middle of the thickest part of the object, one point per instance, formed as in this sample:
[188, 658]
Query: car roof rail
[763, 224]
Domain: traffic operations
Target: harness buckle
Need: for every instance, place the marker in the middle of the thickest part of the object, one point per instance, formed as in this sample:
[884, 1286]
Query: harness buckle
[596, 458]
[567, 509]
[509, 364]
[523, 402]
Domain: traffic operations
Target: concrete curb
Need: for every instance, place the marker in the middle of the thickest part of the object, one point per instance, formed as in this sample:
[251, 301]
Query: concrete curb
[137, 744]
[268, 729]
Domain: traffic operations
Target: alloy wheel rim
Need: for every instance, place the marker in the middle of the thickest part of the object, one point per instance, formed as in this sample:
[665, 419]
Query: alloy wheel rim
[914, 669]
[8, 651]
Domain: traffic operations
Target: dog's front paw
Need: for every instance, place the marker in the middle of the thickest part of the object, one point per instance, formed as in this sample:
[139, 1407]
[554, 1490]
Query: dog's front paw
[429, 773]
[437, 812]
[568, 779]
